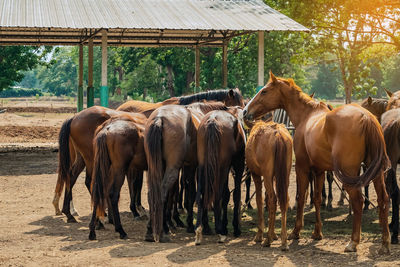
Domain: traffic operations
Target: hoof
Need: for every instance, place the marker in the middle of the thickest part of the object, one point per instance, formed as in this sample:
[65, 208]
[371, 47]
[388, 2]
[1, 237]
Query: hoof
[249, 207]
[222, 238]
[329, 207]
[72, 220]
[237, 233]
[316, 236]
[58, 212]
[190, 229]
[266, 242]
[274, 236]
[92, 235]
[149, 238]
[100, 226]
[164, 239]
[199, 236]
[340, 203]
[123, 236]
[74, 213]
[285, 247]
[351, 247]
[384, 250]
[394, 240]
[258, 238]
[293, 236]
[207, 231]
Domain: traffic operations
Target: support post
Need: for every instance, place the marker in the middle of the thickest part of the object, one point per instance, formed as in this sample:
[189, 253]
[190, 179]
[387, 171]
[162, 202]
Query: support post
[197, 67]
[104, 87]
[260, 83]
[90, 89]
[225, 65]
[80, 79]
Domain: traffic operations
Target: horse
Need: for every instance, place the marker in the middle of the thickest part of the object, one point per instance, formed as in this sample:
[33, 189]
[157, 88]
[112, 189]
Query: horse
[375, 106]
[321, 143]
[394, 99]
[118, 150]
[269, 154]
[391, 131]
[168, 140]
[75, 155]
[220, 147]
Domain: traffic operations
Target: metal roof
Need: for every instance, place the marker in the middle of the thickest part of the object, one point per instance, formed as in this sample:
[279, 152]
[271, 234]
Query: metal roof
[136, 22]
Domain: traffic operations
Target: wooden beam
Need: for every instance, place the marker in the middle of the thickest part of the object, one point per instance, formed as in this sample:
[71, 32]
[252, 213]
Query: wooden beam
[104, 87]
[225, 65]
[197, 67]
[260, 81]
[80, 79]
[90, 89]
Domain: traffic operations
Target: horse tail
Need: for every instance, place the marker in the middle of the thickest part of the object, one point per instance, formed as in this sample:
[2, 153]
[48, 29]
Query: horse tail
[391, 133]
[153, 146]
[280, 169]
[101, 172]
[64, 157]
[375, 150]
[211, 158]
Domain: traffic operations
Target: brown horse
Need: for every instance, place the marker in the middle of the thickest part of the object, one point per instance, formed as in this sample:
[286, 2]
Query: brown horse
[118, 150]
[269, 154]
[394, 99]
[322, 142]
[375, 106]
[220, 147]
[169, 138]
[391, 131]
[76, 136]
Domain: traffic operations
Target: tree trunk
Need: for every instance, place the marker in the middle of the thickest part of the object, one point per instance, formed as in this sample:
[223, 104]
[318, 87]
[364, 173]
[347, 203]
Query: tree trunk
[170, 81]
[144, 93]
[189, 79]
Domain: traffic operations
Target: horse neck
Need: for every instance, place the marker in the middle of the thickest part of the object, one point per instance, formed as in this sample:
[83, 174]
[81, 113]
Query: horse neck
[299, 107]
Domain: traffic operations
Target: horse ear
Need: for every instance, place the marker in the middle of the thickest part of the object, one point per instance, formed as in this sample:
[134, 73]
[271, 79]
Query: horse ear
[369, 100]
[231, 93]
[272, 76]
[388, 92]
[312, 95]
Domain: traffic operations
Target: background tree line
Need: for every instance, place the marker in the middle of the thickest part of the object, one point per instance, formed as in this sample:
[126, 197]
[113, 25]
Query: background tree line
[351, 52]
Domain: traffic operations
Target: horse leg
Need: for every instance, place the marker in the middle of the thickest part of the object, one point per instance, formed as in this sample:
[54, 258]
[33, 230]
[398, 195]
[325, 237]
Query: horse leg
[238, 167]
[393, 190]
[119, 178]
[383, 204]
[149, 232]
[329, 178]
[356, 201]
[175, 212]
[323, 201]
[302, 184]
[311, 178]
[188, 177]
[284, 208]
[57, 195]
[131, 177]
[181, 189]
[92, 224]
[319, 181]
[248, 184]
[68, 198]
[342, 197]
[260, 208]
[269, 187]
[366, 201]
[138, 184]
[225, 200]
[200, 205]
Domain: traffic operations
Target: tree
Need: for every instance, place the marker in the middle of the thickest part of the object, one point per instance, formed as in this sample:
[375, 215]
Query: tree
[327, 81]
[14, 60]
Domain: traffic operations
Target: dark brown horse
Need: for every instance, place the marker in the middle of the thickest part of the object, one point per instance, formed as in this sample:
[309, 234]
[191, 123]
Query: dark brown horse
[169, 140]
[375, 106]
[321, 143]
[391, 130]
[269, 154]
[118, 151]
[77, 133]
[220, 147]
[394, 99]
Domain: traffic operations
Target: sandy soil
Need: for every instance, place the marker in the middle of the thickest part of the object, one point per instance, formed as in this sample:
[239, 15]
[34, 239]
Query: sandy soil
[31, 235]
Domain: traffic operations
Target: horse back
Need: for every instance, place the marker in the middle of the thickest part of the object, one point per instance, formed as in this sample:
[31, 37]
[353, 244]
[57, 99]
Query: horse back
[391, 131]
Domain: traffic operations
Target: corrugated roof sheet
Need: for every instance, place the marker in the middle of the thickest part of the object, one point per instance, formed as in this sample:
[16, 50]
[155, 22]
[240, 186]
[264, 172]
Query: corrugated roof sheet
[195, 15]
[250, 15]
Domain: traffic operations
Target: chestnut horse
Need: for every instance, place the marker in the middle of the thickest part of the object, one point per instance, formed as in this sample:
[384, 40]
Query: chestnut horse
[338, 140]
[269, 154]
[76, 136]
[220, 147]
[118, 150]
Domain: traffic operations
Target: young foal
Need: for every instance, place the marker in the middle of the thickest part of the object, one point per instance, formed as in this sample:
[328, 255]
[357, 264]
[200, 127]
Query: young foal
[220, 146]
[269, 154]
[118, 150]
[322, 142]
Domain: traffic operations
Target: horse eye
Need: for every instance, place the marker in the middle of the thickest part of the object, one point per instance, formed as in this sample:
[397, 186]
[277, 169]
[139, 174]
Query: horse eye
[263, 92]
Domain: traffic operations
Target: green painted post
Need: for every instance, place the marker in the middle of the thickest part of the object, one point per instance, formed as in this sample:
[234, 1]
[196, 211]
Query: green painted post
[80, 98]
[90, 97]
[104, 95]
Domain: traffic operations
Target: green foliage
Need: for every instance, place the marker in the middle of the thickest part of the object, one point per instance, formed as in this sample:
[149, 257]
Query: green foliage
[327, 82]
[18, 92]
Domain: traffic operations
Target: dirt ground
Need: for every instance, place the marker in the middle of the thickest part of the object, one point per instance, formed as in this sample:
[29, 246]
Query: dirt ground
[31, 235]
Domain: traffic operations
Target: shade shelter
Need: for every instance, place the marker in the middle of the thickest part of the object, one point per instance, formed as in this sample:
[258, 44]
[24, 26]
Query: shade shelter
[138, 23]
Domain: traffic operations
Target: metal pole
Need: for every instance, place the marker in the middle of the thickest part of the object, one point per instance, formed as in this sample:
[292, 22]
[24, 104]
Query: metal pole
[260, 82]
[90, 89]
[225, 65]
[104, 87]
[197, 67]
[80, 79]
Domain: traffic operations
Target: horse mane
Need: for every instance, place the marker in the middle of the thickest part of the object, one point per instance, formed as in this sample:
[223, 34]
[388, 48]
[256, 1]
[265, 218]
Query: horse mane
[305, 98]
[217, 95]
[206, 107]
